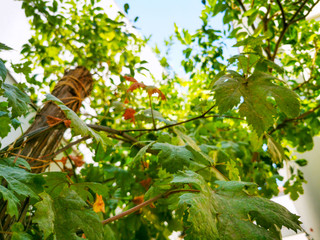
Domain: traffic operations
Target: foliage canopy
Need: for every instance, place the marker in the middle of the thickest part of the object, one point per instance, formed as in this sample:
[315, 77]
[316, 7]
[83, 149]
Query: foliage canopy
[200, 154]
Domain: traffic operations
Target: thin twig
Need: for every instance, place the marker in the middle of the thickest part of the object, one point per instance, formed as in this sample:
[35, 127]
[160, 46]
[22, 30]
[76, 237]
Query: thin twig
[244, 10]
[282, 13]
[68, 146]
[146, 203]
[302, 116]
[285, 28]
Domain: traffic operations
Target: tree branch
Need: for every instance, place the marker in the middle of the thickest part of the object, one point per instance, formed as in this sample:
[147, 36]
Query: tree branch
[302, 116]
[69, 146]
[308, 11]
[285, 27]
[146, 203]
[282, 13]
[244, 10]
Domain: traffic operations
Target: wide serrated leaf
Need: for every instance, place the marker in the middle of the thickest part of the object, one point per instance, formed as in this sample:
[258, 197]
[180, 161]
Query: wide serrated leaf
[79, 126]
[68, 214]
[22, 182]
[174, 158]
[44, 214]
[229, 212]
[17, 99]
[251, 93]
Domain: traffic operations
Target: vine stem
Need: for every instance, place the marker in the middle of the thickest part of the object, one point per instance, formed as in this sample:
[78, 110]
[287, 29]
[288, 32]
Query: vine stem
[146, 203]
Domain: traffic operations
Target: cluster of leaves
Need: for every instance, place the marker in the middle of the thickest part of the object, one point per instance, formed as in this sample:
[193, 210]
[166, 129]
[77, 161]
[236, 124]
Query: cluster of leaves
[13, 103]
[205, 161]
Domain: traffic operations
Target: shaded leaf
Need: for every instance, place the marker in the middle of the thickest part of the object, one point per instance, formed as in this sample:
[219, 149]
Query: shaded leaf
[68, 214]
[229, 212]
[17, 99]
[251, 93]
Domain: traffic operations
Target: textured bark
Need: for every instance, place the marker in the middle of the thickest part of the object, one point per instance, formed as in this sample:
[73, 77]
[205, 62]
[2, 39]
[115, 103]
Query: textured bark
[40, 140]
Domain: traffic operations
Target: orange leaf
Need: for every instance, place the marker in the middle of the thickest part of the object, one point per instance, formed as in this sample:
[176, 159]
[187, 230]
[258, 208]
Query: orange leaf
[98, 205]
[145, 164]
[152, 90]
[78, 160]
[67, 123]
[126, 100]
[63, 160]
[129, 114]
[130, 79]
[52, 121]
[137, 200]
[135, 85]
[146, 183]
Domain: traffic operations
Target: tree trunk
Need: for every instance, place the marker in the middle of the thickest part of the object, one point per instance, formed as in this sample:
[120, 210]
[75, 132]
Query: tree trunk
[41, 140]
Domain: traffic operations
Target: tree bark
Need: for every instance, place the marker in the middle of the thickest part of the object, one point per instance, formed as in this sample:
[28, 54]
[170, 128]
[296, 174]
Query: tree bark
[41, 140]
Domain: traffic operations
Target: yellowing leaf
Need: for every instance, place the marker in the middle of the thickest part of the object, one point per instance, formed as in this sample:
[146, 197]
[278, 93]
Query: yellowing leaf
[98, 205]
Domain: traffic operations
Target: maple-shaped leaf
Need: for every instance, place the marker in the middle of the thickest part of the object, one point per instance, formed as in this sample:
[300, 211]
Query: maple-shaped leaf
[78, 126]
[130, 79]
[230, 212]
[17, 99]
[251, 93]
[21, 184]
[66, 214]
[129, 114]
[135, 85]
[152, 90]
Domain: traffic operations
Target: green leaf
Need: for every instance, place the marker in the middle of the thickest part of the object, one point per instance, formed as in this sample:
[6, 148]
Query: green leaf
[18, 232]
[4, 47]
[146, 115]
[126, 7]
[13, 201]
[17, 99]
[67, 214]
[55, 182]
[254, 105]
[3, 70]
[82, 190]
[13, 162]
[229, 212]
[187, 139]
[79, 126]
[174, 158]
[142, 152]
[275, 149]
[21, 182]
[4, 125]
[44, 214]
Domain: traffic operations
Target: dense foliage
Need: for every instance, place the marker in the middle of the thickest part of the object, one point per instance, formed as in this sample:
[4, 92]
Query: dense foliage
[199, 155]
